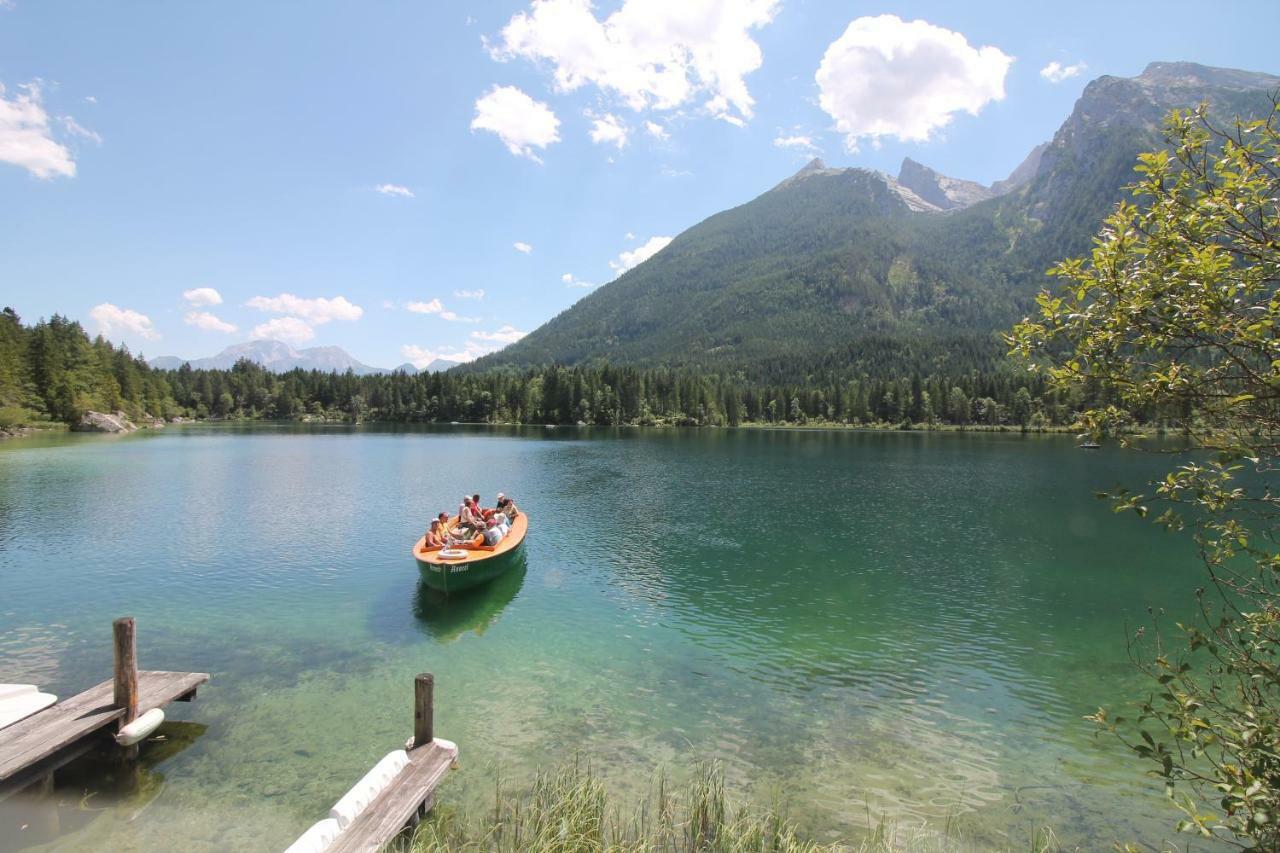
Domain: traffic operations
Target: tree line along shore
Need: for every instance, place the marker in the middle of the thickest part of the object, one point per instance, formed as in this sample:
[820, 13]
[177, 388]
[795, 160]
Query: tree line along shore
[52, 372]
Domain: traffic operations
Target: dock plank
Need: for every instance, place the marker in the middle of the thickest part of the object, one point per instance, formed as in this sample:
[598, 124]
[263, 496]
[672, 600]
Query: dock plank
[392, 810]
[57, 727]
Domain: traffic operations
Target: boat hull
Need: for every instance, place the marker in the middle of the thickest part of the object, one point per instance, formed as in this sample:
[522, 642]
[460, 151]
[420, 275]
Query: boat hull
[467, 574]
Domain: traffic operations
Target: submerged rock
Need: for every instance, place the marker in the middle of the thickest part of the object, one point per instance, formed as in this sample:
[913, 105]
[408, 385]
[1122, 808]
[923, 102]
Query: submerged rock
[100, 422]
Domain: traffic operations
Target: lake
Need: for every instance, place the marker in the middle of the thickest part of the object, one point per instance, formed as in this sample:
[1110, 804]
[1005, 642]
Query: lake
[856, 624]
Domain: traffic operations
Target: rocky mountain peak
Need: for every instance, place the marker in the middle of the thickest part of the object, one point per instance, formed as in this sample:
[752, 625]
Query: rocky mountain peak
[942, 192]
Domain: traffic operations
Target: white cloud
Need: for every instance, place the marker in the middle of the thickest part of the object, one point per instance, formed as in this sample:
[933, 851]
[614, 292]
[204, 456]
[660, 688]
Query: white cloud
[519, 121]
[208, 322]
[656, 130]
[570, 281]
[291, 330]
[317, 311]
[655, 54]
[521, 246]
[26, 138]
[640, 254]
[90, 99]
[799, 142]
[1056, 72]
[394, 189]
[630, 236]
[889, 77]
[506, 335]
[112, 320]
[469, 294]
[202, 296]
[420, 357]
[75, 128]
[435, 306]
[607, 129]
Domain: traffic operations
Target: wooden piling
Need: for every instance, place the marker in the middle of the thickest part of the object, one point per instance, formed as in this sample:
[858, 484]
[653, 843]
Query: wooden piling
[126, 678]
[423, 723]
[126, 669]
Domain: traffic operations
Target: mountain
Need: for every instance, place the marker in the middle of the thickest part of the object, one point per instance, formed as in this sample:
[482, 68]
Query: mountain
[851, 270]
[436, 365]
[942, 192]
[276, 356]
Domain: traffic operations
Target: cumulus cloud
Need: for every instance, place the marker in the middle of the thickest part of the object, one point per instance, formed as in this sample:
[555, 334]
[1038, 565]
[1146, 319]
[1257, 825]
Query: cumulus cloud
[208, 322]
[518, 120]
[607, 129]
[291, 330]
[26, 138]
[571, 281]
[889, 77]
[797, 142]
[394, 189]
[469, 294]
[656, 130]
[640, 254]
[202, 296]
[1056, 72]
[317, 311]
[506, 335]
[522, 247]
[651, 54]
[113, 320]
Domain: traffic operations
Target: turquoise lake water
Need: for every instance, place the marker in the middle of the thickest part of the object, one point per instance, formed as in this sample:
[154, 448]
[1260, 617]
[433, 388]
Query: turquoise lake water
[856, 624]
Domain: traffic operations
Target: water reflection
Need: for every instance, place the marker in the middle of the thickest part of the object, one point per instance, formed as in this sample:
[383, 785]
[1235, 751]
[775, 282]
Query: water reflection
[95, 784]
[447, 617]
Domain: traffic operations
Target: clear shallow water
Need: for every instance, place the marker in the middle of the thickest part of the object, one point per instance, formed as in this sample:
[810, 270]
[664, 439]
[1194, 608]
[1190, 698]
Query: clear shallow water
[856, 624]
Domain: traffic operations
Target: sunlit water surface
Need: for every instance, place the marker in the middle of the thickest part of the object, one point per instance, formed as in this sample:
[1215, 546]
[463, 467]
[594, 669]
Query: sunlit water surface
[857, 625]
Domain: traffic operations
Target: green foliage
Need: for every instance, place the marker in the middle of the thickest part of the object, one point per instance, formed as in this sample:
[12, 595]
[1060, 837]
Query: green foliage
[53, 369]
[569, 811]
[1177, 312]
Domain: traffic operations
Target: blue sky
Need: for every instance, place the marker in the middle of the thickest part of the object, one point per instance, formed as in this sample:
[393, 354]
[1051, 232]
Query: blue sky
[186, 176]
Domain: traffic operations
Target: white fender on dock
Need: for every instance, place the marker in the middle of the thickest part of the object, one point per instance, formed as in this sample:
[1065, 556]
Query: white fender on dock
[370, 785]
[19, 701]
[317, 838]
[141, 728]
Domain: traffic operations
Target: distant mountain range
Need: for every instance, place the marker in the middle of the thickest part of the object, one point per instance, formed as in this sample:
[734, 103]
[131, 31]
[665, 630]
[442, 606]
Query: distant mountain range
[279, 357]
[856, 271]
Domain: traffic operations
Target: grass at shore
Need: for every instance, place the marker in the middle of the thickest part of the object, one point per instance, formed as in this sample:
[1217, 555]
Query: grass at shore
[569, 811]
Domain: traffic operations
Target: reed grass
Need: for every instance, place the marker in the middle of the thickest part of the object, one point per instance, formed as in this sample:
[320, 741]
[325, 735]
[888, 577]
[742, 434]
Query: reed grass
[568, 810]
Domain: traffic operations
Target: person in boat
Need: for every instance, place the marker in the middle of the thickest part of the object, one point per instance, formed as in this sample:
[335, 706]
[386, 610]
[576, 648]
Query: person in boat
[485, 514]
[469, 520]
[435, 536]
[492, 532]
[504, 523]
[509, 510]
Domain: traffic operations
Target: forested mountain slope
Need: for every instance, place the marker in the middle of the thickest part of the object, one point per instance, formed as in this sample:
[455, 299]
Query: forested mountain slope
[848, 271]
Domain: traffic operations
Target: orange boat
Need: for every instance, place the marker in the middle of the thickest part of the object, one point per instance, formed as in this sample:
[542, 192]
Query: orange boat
[465, 566]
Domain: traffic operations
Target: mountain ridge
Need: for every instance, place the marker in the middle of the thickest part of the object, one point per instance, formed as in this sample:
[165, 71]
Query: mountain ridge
[857, 268]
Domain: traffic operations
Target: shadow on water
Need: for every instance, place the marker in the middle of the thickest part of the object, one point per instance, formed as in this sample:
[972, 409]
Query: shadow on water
[445, 618]
[97, 782]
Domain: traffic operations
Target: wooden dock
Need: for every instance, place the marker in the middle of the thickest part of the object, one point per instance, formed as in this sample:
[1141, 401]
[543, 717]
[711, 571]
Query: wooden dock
[402, 801]
[405, 800]
[38, 745]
